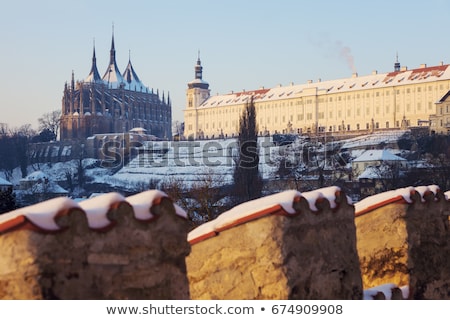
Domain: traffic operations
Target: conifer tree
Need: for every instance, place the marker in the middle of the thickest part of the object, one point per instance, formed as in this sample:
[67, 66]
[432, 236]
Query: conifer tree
[247, 179]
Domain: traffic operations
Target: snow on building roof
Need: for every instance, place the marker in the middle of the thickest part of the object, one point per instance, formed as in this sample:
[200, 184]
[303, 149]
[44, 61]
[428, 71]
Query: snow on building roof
[36, 176]
[378, 155]
[375, 172]
[374, 80]
[138, 130]
[4, 182]
[42, 216]
[132, 81]
[399, 195]
[277, 203]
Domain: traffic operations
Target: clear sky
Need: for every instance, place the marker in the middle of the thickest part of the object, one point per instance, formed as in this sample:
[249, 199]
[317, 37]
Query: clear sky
[243, 44]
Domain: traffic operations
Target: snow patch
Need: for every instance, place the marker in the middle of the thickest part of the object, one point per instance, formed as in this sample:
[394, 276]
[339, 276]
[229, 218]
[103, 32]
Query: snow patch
[42, 214]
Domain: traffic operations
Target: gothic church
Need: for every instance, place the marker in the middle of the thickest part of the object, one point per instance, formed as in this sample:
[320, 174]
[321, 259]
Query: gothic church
[114, 103]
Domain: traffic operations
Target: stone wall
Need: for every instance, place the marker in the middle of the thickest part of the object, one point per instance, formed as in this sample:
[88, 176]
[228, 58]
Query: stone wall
[403, 238]
[136, 251]
[291, 245]
[305, 250]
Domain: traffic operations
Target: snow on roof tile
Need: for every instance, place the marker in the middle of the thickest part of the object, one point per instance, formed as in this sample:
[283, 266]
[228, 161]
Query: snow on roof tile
[399, 195]
[447, 195]
[96, 214]
[39, 216]
[42, 216]
[388, 290]
[378, 155]
[280, 203]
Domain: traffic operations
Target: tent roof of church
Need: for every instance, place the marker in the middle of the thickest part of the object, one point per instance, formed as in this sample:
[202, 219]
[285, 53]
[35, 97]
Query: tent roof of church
[132, 81]
[112, 76]
[94, 76]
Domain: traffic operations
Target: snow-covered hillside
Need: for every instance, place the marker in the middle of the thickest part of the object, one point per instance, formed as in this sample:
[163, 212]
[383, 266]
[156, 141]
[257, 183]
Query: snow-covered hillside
[190, 161]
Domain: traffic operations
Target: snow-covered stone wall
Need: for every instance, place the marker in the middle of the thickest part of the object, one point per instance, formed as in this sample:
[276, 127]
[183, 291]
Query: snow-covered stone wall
[403, 238]
[290, 245]
[108, 247]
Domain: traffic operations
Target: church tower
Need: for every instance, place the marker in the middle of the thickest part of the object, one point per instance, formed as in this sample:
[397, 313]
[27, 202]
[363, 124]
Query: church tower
[198, 89]
[112, 75]
[197, 93]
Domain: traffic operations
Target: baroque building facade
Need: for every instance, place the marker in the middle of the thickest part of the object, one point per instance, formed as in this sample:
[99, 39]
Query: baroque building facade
[399, 99]
[114, 103]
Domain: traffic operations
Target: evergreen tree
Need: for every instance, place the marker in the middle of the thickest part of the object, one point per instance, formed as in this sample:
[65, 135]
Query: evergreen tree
[247, 179]
[7, 200]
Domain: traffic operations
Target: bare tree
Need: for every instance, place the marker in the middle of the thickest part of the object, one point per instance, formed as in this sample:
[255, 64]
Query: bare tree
[50, 121]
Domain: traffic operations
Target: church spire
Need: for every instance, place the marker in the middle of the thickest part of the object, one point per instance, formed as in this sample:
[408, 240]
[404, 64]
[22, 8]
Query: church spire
[396, 64]
[112, 74]
[198, 67]
[93, 76]
[198, 82]
[132, 81]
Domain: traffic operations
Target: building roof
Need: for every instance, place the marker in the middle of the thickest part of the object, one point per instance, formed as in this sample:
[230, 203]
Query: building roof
[94, 76]
[373, 81]
[4, 182]
[132, 81]
[378, 155]
[444, 97]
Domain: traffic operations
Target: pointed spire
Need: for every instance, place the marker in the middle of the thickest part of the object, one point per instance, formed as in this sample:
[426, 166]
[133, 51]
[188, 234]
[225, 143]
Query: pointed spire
[94, 76]
[198, 68]
[198, 82]
[112, 74]
[132, 80]
[396, 64]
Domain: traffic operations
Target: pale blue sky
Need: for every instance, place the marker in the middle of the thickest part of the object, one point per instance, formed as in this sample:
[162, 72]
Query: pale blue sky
[243, 44]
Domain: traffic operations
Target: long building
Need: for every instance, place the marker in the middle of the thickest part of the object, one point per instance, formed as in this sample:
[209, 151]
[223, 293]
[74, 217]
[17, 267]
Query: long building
[399, 99]
[114, 103]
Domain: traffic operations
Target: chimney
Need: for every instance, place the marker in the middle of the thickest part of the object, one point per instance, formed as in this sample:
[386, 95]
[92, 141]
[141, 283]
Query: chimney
[374, 72]
[355, 75]
[404, 68]
[310, 81]
[423, 65]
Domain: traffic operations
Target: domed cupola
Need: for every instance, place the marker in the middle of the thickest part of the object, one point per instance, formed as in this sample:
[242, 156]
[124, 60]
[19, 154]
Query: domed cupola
[198, 82]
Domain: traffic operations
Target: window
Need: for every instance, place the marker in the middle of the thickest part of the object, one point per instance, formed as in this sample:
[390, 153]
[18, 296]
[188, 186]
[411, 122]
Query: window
[387, 124]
